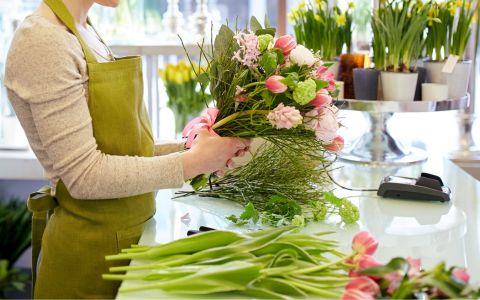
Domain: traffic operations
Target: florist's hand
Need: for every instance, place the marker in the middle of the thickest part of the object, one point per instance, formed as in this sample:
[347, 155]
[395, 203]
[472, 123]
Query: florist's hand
[211, 153]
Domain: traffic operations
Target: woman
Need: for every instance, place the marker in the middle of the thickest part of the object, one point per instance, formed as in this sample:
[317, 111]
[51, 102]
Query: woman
[83, 114]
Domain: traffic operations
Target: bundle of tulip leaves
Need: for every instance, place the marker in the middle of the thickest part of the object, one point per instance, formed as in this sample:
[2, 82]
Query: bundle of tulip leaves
[282, 263]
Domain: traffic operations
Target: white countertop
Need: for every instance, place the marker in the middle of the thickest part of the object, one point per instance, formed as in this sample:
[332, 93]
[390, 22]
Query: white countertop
[432, 231]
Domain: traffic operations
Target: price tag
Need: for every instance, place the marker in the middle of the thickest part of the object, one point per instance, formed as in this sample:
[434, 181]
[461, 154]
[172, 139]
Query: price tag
[450, 64]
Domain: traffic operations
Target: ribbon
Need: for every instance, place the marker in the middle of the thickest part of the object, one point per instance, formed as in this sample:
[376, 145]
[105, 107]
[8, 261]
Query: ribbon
[205, 121]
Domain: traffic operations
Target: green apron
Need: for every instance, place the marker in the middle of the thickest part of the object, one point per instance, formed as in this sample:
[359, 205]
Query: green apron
[79, 233]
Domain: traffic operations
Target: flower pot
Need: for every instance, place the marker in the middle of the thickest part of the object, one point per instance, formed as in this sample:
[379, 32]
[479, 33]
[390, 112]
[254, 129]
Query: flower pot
[457, 81]
[434, 72]
[398, 86]
[422, 77]
[365, 83]
[434, 91]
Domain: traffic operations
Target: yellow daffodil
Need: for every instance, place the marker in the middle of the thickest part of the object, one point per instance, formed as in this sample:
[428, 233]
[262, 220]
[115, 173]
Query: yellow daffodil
[452, 9]
[468, 5]
[459, 3]
[301, 5]
[351, 5]
[317, 18]
[341, 20]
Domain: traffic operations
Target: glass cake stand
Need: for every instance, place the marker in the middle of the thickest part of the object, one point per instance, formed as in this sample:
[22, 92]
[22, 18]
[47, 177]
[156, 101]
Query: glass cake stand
[378, 145]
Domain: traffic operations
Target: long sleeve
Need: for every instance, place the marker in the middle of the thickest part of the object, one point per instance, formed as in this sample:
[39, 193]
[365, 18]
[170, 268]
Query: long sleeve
[47, 85]
[167, 147]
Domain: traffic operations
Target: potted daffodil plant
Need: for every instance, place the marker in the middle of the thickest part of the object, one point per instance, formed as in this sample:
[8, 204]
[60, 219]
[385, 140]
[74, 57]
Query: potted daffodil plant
[397, 45]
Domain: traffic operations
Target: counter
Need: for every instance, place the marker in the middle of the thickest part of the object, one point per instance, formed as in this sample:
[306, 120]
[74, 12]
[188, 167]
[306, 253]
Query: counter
[432, 231]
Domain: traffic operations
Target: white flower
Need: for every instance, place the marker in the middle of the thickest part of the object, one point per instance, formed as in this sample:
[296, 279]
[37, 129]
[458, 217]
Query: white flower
[323, 121]
[302, 56]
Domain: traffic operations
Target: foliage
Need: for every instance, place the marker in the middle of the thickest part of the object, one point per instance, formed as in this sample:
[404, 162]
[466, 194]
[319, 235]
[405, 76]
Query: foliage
[275, 186]
[462, 31]
[439, 30]
[15, 232]
[322, 29]
[398, 34]
[186, 98]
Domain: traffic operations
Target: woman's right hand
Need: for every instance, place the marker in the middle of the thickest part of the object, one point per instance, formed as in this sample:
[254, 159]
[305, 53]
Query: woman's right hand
[211, 153]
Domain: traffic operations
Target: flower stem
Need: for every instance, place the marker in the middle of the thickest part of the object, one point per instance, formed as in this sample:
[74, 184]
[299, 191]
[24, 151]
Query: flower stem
[321, 267]
[238, 114]
[253, 84]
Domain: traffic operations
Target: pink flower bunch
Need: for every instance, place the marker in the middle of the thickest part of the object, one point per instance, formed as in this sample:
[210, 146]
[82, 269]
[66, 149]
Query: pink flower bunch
[323, 121]
[322, 73]
[285, 117]
[249, 51]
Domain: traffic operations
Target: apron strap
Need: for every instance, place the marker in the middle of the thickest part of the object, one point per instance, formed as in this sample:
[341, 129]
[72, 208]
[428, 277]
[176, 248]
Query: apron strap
[41, 203]
[61, 11]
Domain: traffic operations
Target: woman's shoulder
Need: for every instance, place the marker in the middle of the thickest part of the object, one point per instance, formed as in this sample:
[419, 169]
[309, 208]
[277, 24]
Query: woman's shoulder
[42, 54]
[37, 31]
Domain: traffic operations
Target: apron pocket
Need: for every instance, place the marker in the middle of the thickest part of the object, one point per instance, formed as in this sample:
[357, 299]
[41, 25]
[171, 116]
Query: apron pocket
[127, 237]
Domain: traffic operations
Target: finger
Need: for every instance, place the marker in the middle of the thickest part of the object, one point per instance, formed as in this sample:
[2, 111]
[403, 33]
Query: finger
[247, 142]
[230, 164]
[240, 153]
[220, 173]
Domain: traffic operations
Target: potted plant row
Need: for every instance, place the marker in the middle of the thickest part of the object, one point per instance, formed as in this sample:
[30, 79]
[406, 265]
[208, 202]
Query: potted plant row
[448, 33]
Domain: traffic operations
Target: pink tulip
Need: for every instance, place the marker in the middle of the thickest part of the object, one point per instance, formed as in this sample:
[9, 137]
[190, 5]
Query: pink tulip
[322, 73]
[274, 85]
[461, 275]
[286, 43]
[364, 243]
[353, 294]
[337, 145]
[322, 99]
[367, 261]
[415, 266]
[364, 284]
[394, 278]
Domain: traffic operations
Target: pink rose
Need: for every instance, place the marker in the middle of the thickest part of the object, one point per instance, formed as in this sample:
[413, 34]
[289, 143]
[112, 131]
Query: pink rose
[285, 117]
[274, 85]
[461, 275]
[352, 294]
[364, 284]
[286, 43]
[337, 145]
[322, 98]
[364, 243]
[323, 121]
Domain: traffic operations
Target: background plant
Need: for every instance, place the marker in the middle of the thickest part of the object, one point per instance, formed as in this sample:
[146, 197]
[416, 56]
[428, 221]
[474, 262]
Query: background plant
[439, 30]
[398, 35]
[186, 98]
[462, 30]
[322, 29]
[15, 233]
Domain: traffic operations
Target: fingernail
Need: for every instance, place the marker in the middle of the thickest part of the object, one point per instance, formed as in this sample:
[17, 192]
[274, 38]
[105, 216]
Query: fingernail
[230, 164]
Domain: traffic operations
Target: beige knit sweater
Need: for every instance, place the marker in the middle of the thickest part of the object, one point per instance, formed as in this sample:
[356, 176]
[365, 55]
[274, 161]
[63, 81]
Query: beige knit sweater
[46, 79]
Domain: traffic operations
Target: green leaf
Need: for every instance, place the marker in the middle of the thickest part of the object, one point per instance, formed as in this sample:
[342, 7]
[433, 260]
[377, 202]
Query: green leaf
[199, 182]
[268, 61]
[270, 31]
[331, 198]
[223, 40]
[321, 84]
[250, 213]
[203, 79]
[268, 97]
[396, 264]
[291, 80]
[254, 24]
[267, 21]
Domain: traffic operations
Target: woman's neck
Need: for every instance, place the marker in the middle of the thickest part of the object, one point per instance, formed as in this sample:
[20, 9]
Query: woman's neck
[79, 10]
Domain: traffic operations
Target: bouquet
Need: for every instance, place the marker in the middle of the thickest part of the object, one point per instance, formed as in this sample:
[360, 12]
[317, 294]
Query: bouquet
[281, 92]
[186, 98]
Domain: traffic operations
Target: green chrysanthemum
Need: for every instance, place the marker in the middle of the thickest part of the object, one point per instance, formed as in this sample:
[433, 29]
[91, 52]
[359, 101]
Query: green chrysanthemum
[349, 212]
[319, 210]
[263, 41]
[305, 91]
